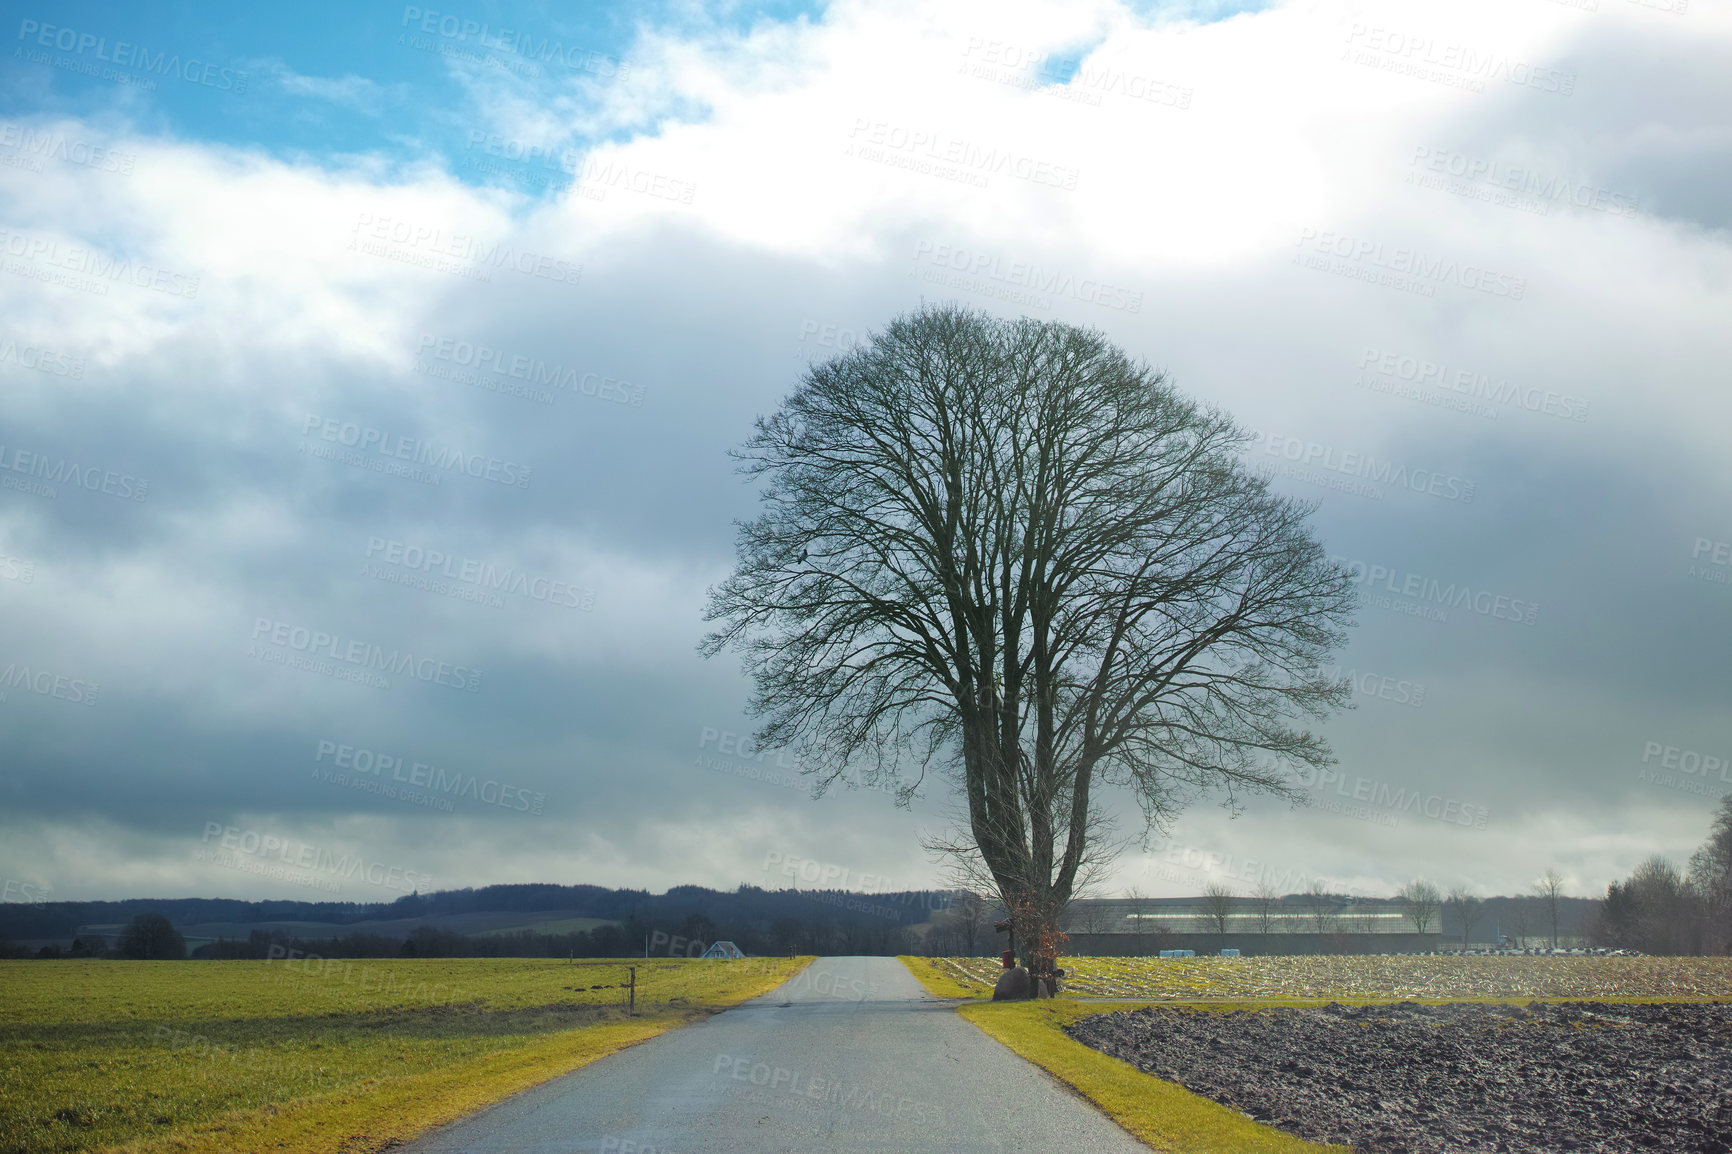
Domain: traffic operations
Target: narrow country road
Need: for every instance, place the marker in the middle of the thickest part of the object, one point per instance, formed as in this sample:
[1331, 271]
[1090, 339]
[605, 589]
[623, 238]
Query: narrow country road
[850, 1056]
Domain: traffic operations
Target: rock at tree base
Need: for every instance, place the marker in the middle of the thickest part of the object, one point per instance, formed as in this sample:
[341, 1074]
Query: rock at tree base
[1013, 986]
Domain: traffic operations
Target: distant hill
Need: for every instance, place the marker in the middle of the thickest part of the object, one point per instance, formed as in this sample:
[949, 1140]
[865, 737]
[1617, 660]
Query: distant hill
[489, 911]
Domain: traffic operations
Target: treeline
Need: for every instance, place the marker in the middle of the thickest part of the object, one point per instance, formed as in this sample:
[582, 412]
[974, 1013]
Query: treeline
[747, 909]
[627, 940]
[682, 922]
[151, 937]
[1660, 911]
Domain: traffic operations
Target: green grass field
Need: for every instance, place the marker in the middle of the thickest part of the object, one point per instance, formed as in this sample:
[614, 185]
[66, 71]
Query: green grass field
[315, 1055]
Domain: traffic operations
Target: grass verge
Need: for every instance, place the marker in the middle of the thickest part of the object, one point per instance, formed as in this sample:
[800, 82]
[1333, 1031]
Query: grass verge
[1164, 1115]
[1169, 1117]
[315, 1056]
[943, 978]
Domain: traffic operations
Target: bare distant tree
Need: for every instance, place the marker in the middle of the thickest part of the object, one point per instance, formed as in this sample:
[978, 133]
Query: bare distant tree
[1467, 908]
[1218, 904]
[1004, 550]
[1711, 879]
[1519, 912]
[1550, 890]
[1321, 905]
[1421, 901]
[1264, 902]
[1137, 903]
[969, 915]
[1665, 908]
[1089, 916]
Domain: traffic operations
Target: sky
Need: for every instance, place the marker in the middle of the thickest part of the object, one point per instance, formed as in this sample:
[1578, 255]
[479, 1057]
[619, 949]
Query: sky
[368, 375]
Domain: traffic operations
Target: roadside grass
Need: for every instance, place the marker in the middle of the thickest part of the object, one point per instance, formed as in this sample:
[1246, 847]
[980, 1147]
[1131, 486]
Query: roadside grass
[946, 977]
[316, 1055]
[1169, 1117]
[1163, 1114]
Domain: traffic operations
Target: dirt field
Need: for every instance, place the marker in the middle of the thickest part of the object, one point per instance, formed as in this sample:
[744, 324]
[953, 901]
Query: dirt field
[1240, 979]
[1590, 1077]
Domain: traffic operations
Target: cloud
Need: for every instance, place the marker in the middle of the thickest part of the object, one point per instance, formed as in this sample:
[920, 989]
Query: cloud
[361, 93]
[535, 369]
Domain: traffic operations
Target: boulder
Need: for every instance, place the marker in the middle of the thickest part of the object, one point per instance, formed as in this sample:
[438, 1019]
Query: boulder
[1013, 986]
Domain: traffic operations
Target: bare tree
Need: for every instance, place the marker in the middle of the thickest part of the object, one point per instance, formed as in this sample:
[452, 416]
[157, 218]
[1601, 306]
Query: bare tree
[1550, 890]
[1264, 902]
[1421, 901]
[1321, 905]
[1711, 879]
[1005, 548]
[1467, 908]
[1137, 903]
[1519, 912]
[1218, 902]
[967, 916]
[1088, 917]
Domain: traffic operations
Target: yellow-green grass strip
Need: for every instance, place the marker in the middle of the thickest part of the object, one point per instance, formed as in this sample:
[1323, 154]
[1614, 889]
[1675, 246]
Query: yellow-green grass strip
[944, 978]
[1162, 1114]
[307, 1056]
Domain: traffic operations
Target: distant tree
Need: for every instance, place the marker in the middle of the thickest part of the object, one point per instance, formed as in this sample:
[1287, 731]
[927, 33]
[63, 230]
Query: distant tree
[1264, 902]
[1550, 891]
[1218, 902]
[1617, 922]
[1087, 917]
[1666, 913]
[1518, 912]
[153, 938]
[1711, 880]
[961, 923]
[1467, 908]
[1421, 900]
[1320, 903]
[699, 928]
[972, 914]
[1138, 904]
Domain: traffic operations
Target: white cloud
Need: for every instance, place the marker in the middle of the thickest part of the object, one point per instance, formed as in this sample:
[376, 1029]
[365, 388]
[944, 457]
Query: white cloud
[802, 147]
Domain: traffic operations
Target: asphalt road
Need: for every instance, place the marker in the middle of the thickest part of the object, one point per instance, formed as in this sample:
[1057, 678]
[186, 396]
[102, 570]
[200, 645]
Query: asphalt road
[852, 1056]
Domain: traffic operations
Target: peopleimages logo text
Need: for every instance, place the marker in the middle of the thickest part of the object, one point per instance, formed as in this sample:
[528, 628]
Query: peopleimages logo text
[63, 472]
[43, 360]
[480, 573]
[82, 260]
[519, 366]
[1397, 798]
[1366, 466]
[545, 50]
[401, 448]
[360, 653]
[1382, 578]
[127, 55]
[360, 760]
[1478, 385]
[1025, 275]
[47, 683]
[301, 855]
[1412, 263]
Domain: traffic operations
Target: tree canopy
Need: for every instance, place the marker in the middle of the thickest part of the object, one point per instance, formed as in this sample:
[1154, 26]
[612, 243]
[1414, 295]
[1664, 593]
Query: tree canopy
[1006, 551]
